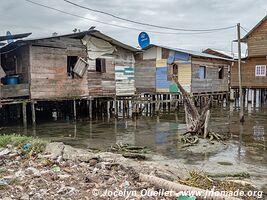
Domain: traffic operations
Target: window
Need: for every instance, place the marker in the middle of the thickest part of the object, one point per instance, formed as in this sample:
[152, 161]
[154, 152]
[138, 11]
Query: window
[260, 70]
[71, 61]
[175, 70]
[221, 72]
[100, 65]
[202, 72]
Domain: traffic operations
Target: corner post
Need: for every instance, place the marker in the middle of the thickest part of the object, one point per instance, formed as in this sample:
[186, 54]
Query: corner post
[33, 113]
[24, 113]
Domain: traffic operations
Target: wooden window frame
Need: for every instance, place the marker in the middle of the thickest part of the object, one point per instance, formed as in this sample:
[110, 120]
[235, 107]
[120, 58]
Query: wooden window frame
[221, 72]
[205, 72]
[71, 64]
[175, 70]
[102, 63]
[260, 70]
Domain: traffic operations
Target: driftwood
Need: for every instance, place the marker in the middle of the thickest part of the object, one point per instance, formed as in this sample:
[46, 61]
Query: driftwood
[176, 187]
[197, 122]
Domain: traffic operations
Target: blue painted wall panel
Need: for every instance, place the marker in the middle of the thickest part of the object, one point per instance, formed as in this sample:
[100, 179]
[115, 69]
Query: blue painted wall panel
[181, 56]
[161, 78]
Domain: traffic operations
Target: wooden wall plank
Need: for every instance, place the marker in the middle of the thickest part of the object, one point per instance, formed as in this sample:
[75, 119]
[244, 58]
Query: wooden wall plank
[211, 83]
[249, 79]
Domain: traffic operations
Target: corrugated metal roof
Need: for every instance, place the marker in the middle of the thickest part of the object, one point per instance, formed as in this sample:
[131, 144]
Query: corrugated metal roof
[15, 36]
[78, 35]
[191, 52]
[227, 53]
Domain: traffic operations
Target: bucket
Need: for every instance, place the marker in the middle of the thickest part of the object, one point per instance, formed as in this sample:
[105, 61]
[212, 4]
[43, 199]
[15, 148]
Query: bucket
[11, 80]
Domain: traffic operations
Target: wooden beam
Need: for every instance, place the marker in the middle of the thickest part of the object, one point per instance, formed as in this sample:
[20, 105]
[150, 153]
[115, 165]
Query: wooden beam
[33, 113]
[74, 110]
[24, 113]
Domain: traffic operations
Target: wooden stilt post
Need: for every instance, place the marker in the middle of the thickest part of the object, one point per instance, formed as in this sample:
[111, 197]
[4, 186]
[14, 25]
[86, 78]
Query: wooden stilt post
[24, 113]
[116, 106]
[74, 110]
[33, 113]
[91, 109]
[241, 114]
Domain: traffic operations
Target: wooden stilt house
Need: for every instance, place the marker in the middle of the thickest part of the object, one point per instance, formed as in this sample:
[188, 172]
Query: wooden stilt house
[68, 66]
[78, 66]
[197, 72]
[253, 67]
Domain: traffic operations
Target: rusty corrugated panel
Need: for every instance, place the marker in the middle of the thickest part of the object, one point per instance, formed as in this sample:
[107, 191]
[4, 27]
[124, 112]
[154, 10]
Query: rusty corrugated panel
[80, 67]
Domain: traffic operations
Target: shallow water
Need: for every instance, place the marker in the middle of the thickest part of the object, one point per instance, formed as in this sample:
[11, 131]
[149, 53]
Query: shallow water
[247, 144]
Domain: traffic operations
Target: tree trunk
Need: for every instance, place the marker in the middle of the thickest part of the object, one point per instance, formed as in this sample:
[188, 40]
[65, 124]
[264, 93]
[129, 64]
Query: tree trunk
[195, 121]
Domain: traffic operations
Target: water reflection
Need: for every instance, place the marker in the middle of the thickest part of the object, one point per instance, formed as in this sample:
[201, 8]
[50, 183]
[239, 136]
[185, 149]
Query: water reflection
[247, 142]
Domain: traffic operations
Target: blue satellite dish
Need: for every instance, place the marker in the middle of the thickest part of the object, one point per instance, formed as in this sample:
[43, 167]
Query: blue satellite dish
[143, 40]
[9, 37]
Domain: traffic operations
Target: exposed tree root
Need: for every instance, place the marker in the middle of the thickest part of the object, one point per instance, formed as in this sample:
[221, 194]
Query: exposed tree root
[196, 121]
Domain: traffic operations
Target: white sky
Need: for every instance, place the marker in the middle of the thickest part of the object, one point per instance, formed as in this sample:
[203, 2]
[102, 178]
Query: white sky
[19, 16]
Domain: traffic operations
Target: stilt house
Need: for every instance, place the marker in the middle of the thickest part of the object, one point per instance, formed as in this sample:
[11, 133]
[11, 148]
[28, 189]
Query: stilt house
[78, 65]
[83, 65]
[253, 68]
[197, 72]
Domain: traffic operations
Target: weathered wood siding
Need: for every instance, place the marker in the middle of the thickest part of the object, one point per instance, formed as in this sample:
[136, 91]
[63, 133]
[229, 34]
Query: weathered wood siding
[105, 83]
[184, 74]
[11, 91]
[124, 76]
[249, 79]
[124, 72]
[48, 69]
[211, 83]
[99, 83]
[145, 75]
[257, 41]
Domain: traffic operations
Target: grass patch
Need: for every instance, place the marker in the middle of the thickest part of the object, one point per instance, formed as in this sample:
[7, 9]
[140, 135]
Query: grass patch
[37, 145]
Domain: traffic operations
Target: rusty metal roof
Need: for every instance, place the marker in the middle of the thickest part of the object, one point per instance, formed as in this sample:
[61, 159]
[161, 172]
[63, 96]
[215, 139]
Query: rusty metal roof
[78, 35]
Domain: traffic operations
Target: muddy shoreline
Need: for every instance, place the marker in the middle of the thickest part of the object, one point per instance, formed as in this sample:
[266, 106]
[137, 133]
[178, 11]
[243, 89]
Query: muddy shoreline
[64, 172]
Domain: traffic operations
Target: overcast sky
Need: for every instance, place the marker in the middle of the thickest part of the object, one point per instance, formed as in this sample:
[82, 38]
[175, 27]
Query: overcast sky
[19, 16]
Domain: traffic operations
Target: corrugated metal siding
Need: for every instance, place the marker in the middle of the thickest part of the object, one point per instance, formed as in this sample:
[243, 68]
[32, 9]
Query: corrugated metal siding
[124, 76]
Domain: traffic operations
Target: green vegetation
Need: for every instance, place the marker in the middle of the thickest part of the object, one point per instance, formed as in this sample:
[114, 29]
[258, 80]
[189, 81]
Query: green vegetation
[35, 145]
[224, 163]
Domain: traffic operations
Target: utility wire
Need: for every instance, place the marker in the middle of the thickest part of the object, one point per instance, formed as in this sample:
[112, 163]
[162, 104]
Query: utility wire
[146, 24]
[115, 25]
[244, 29]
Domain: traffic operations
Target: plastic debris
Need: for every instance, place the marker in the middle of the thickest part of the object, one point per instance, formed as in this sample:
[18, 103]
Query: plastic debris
[56, 168]
[26, 147]
[187, 198]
